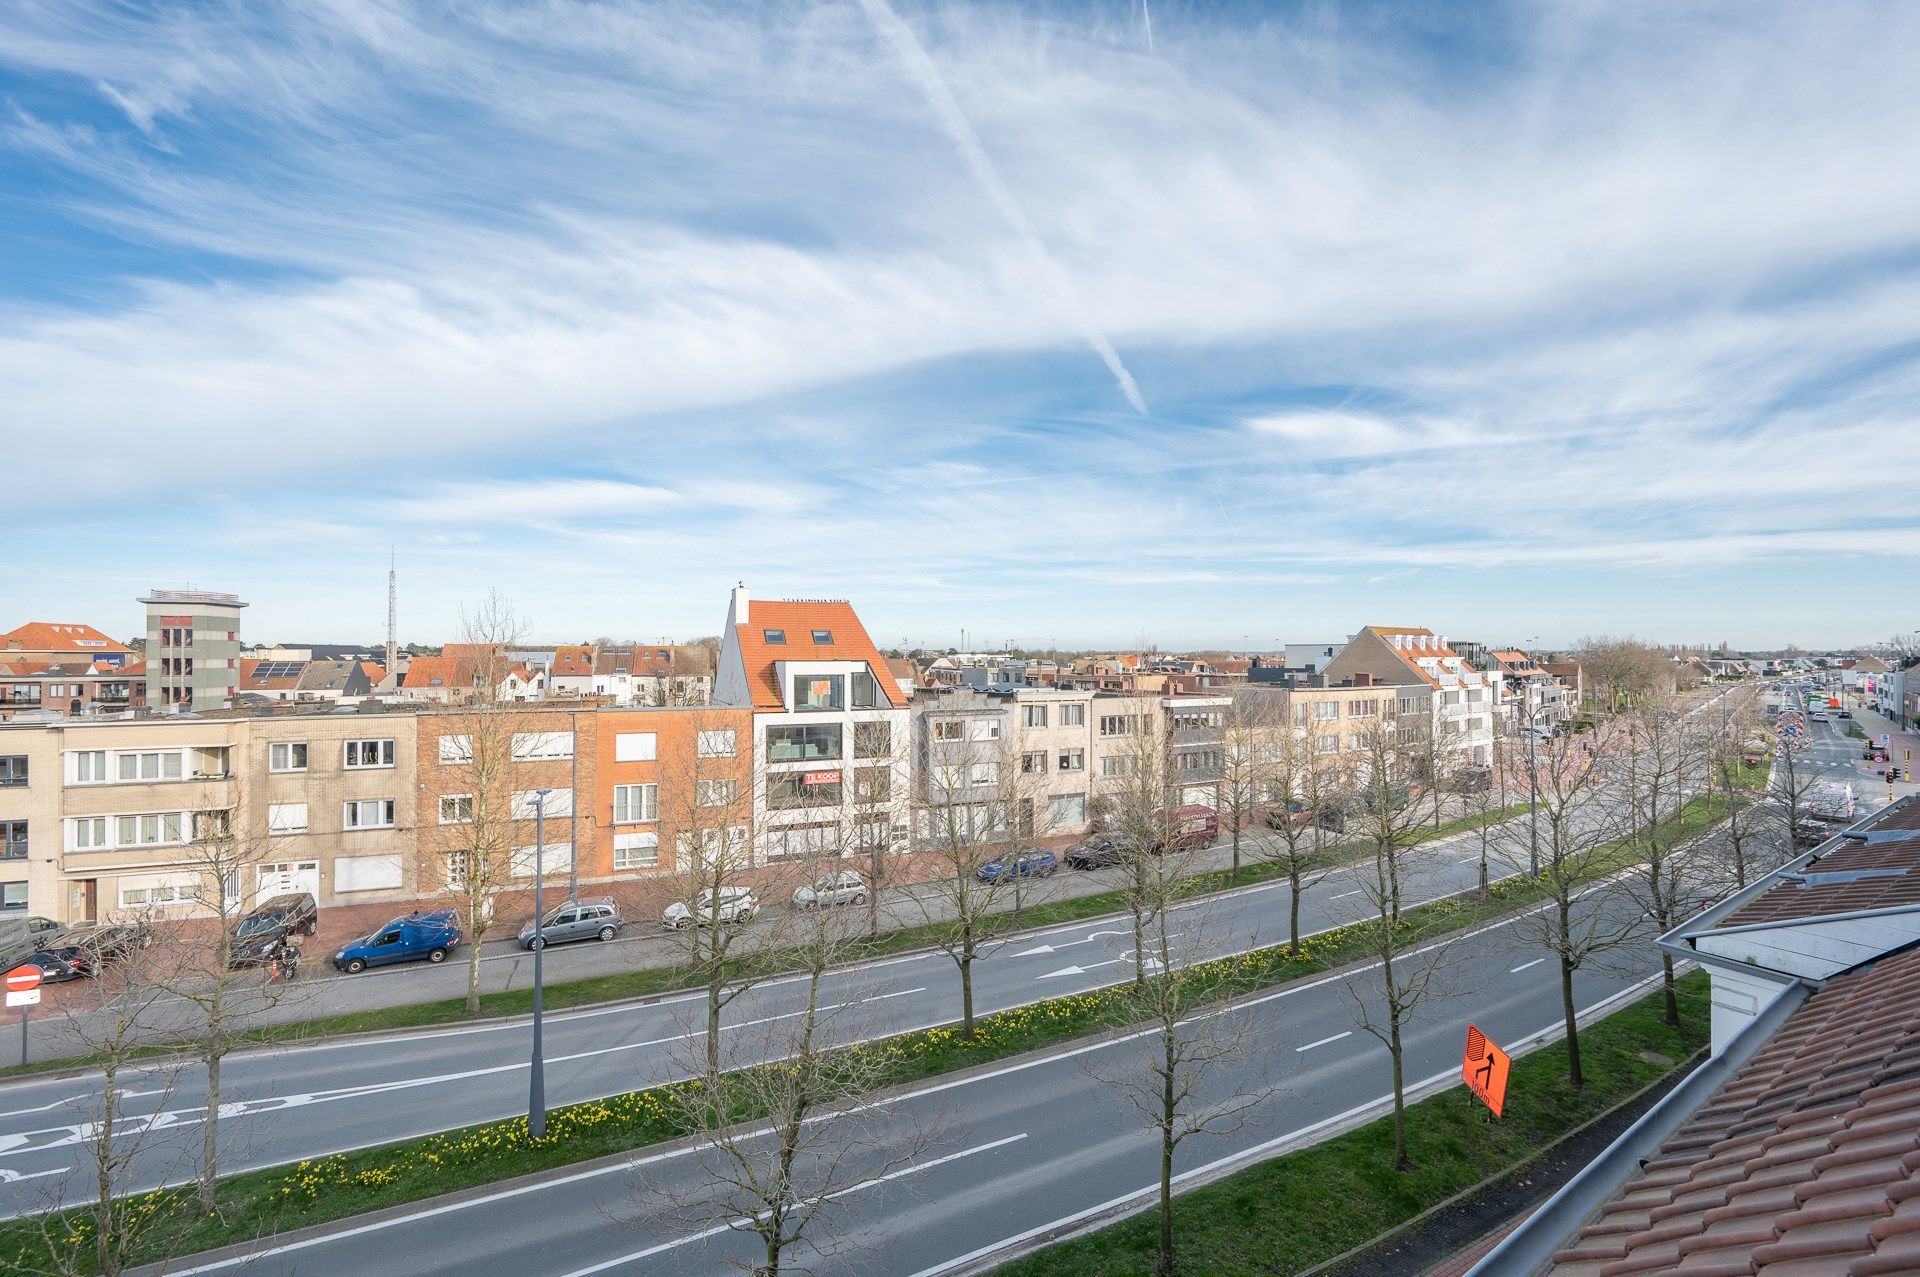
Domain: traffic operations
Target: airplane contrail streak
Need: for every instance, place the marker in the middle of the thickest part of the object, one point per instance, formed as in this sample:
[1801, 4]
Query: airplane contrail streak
[953, 120]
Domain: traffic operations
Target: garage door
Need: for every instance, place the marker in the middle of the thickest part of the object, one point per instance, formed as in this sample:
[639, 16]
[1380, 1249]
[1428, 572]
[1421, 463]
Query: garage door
[292, 875]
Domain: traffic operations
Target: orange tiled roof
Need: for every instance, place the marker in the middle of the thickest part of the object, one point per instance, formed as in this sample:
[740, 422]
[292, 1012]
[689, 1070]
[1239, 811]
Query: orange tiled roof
[59, 636]
[374, 671]
[435, 671]
[572, 662]
[800, 619]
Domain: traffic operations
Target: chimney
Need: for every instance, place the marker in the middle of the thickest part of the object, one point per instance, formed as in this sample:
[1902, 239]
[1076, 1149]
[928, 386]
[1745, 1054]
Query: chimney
[1362, 679]
[740, 603]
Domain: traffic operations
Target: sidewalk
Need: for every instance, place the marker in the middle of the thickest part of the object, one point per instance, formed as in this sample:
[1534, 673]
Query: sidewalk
[1903, 752]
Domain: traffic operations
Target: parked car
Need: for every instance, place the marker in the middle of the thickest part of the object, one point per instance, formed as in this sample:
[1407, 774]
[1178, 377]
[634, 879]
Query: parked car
[736, 905]
[260, 934]
[598, 917]
[843, 888]
[56, 966]
[432, 936]
[1280, 815]
[1845, 713]
[93, 945]
[1096, 851]
[20, 938]
[1189, 828]
[1030, 863]
[1473, 780]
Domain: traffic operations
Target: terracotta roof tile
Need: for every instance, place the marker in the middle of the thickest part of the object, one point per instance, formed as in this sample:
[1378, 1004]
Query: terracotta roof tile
[1801, 1165]
[59, 636]
[800, 621]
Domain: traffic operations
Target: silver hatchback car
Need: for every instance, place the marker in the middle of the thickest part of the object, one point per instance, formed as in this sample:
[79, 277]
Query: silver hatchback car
[576, 920]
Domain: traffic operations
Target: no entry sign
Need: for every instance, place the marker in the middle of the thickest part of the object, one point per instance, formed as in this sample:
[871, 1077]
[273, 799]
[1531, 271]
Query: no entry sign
[21, 979]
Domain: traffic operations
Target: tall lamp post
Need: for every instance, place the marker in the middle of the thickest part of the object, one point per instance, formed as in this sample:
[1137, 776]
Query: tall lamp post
[536, 1080]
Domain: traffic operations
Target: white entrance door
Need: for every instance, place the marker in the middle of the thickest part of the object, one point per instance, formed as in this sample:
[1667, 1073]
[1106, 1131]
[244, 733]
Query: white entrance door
[290, 876]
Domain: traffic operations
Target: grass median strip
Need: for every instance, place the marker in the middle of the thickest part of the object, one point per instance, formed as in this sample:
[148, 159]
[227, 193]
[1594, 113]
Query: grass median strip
[1307, 1207]
[672, 979]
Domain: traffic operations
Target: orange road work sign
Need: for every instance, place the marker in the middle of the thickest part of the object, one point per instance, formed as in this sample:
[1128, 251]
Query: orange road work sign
[1485, 1069]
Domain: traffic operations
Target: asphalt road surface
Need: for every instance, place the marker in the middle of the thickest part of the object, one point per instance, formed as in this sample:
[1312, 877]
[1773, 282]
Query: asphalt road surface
[1017, 1152]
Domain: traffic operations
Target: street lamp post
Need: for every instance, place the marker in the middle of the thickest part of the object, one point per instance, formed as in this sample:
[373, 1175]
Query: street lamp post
[536, 1080]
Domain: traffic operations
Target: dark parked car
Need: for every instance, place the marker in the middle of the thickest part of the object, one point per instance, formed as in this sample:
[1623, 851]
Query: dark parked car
[56, 966]
[93, 945]
[1031, 863]
[1473, 780]
[1095, 851]
[260, 933]
[1291, 812]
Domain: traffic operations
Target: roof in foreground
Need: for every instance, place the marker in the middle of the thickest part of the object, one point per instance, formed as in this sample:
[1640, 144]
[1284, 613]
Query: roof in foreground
[1877, 873]
[1801, 1165]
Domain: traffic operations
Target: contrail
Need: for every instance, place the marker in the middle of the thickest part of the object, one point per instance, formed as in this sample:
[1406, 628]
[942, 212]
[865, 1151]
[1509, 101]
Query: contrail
[905, 44]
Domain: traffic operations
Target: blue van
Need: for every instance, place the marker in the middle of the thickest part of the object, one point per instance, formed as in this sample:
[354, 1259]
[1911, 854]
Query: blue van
[418, 935]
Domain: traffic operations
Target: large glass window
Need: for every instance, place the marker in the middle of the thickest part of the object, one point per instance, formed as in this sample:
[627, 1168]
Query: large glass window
[367, 753]
[803, 744]
[13, 839]
[789, 790]
[818, 692]
[13, 771]
[866, 693]
[872, 740]
[635, 804]
[288, 756]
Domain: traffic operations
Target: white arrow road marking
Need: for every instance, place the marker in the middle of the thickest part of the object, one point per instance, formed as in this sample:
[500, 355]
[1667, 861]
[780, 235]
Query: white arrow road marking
[1064, 971]
[1322, 1042]
[1523, 966]
[14, 1177]
[1089, 938]
[1028, 953]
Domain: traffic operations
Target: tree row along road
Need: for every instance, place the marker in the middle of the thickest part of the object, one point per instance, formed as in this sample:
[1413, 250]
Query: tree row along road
[1021, 1150]
[299, 1102]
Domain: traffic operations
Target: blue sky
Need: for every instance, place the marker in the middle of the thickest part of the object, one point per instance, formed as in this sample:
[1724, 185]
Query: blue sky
[1543, 320]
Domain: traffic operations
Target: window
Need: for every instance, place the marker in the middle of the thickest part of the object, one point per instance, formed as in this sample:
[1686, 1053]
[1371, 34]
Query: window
[367, 873]
[13, 839]
[1073, 716]
[367, 753]
[1452, 698]
[89, 833]
[537, 747]
[802, 744]
[1300, 713]
[873, 740]
[1072, 760]
[148, 831]
[559, 803]
[787, 791]
[872, 784]
[1369, 708]
[13, 771]
[162, 893]
[13, 895]
[369, 813]
[949, 729]
[152, 765]
[636, 851]
[774, 637]
[289, 756]
[866, 692]
[823, 638]
[456, 809]
[457, 863]
[635, 804]
[1065, 810]
[803, 842]
[1119, 724]
[1356, 740]
[980, 774]
[816, 693]
[1328, 744]
[1193, 719]
[984, 729]
[715, 793]
[1323, 710]
[523, 862]
[715, 744]
[287, 818]
[1034, 715]
[1111, 767]
[456, 749]
[634, 747]
[1033, 763]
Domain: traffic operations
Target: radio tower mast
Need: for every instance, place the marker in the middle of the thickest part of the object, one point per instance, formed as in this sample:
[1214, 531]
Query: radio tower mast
[393, 617]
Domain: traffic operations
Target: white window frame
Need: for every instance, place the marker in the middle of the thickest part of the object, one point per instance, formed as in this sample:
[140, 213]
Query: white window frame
[949, 729]
[723, 792]
[455, 748]
[635, 747]
[1034, 715]
[280, 754]
[96, 826]
[350, 821]
[456, 800]
[718, 743]
[559, 803]
[282, 821]
[383, 752]
[89, 767]
[1073, 716]
[542, 747]
[647, 798]
[639, 849]
[983, 729]
[1078, 763]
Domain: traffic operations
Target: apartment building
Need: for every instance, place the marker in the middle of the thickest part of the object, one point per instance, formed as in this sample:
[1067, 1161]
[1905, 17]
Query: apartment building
[1127, 730]
[830, 728]
[193, 649]
[668, 782]
[1448, 697]
[1000, 759]
[1525, 691]
[63, 641]
[1195, 729]
[70, 686]
[514, 752]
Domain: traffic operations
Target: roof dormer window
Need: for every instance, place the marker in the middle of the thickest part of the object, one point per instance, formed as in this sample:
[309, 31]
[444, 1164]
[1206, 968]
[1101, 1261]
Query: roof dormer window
[774, 636]
[823, 638]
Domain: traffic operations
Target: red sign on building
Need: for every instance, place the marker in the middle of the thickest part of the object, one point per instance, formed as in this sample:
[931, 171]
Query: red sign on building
[820, 778]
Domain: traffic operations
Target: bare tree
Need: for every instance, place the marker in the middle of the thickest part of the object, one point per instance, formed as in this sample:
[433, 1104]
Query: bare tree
[782, 1133]
[470, 847]
[1297, 784]
[1624, 672]
[881, 772]
[1387, 993]
[1191, 1067]
[1249, 732]
[1588, 913]
[1657, 751]
[1137, 814]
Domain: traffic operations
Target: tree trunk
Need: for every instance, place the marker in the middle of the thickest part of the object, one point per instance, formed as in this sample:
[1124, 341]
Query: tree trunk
[105, 1247]
[1574, 1073]
[1236, 850]
[1165, 1265]
[1139, 947]
[1666, 987]
[966, 995]
[473, 967]
[713, 1025]
[1293, 915]
[1401, 1162]
[209, 1132]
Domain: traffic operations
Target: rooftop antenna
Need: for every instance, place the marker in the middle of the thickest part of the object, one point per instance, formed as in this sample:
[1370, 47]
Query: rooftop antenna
[393, 615]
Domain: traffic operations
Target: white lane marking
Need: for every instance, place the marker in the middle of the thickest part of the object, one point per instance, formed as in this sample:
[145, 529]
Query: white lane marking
[1523, 966]
[736, 1225]
[64, 1100]
[1322, 1042]
[1343, 895]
